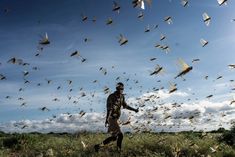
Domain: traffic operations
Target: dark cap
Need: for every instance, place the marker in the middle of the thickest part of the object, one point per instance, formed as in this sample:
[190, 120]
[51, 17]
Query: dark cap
[119, 85]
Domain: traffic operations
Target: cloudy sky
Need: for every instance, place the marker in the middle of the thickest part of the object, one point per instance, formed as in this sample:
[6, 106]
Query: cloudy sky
[25, 22]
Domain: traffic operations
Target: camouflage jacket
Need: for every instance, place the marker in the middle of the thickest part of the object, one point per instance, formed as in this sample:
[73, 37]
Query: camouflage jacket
[114, 104]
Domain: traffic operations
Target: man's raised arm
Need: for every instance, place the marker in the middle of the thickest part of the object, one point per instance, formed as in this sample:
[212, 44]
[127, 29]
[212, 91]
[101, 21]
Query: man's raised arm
[129, 107]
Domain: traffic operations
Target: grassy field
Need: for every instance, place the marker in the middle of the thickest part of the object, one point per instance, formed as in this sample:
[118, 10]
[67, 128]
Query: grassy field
[138, 144]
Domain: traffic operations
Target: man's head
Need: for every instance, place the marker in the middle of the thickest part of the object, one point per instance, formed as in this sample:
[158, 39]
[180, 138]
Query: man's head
[120, 87]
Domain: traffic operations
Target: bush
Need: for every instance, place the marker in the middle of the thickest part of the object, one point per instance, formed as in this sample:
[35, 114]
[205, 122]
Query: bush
[228, 136]
[10, 142]
[2, 134]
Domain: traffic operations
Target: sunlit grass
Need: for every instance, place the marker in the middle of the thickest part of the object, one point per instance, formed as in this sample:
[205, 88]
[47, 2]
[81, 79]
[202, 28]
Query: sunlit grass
[138, 144]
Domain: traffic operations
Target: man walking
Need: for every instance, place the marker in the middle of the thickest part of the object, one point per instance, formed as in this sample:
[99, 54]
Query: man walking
[114, 103]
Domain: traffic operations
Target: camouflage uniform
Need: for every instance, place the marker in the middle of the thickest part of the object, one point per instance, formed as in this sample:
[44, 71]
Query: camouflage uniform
[114, 103]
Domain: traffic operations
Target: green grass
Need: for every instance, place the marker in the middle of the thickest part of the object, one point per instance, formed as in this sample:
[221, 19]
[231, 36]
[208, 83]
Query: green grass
[138, 144]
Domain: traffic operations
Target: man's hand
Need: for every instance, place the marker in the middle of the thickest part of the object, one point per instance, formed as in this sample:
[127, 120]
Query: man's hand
[137, 110]
[106, 123]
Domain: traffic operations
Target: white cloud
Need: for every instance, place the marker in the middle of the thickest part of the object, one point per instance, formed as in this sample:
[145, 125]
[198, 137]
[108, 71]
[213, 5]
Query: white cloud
[207, 115]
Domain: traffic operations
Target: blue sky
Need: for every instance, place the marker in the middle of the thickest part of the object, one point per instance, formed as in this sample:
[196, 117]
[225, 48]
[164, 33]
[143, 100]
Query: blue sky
[22, 26]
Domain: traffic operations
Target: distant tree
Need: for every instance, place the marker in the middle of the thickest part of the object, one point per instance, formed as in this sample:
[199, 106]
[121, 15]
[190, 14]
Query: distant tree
[221, 130]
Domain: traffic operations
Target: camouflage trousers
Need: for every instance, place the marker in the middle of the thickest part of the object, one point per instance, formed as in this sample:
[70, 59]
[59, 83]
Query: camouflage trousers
[113, 126]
